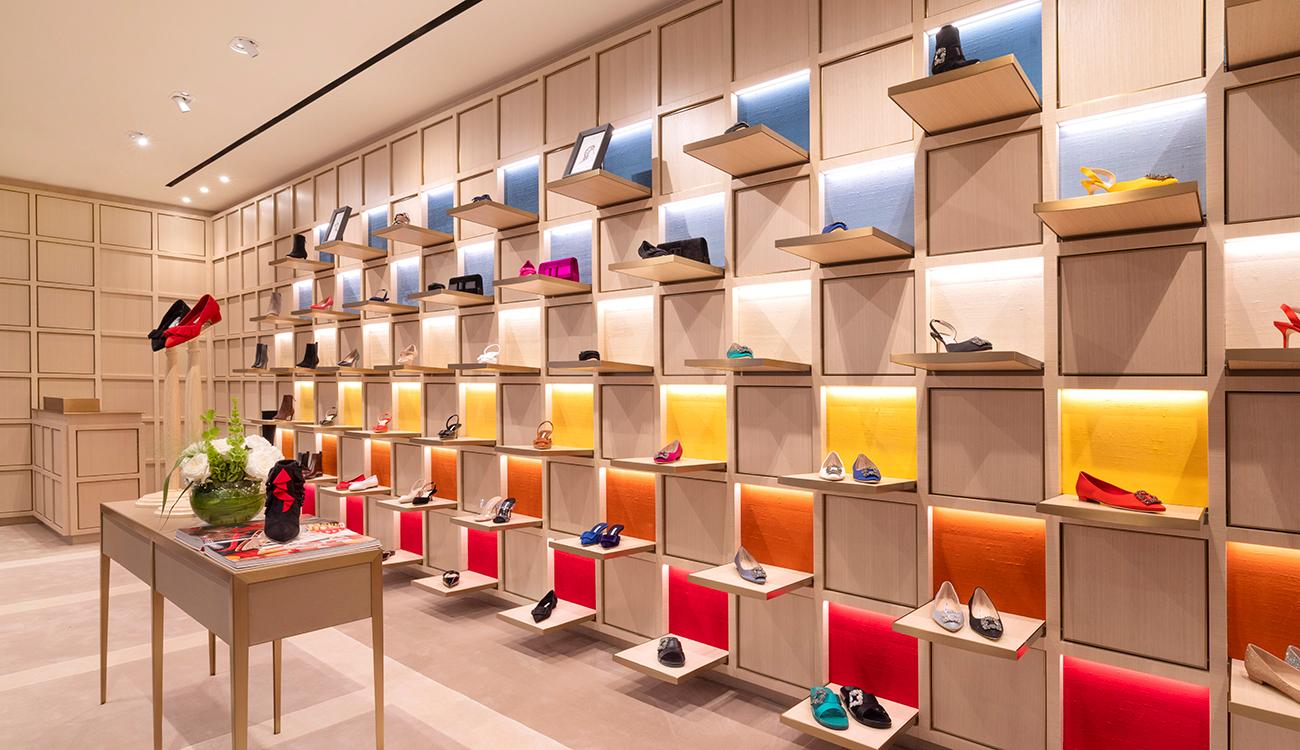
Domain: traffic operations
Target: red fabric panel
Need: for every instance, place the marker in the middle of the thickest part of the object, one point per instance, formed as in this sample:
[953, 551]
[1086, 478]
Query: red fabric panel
[309, 500]
[696, 612]
[1118, 709]
[410, 529]
[575, 579]
[482, 547]
[355, 514]
[866, 652]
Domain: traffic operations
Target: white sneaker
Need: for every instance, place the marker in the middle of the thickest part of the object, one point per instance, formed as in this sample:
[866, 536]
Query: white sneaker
[369, 483]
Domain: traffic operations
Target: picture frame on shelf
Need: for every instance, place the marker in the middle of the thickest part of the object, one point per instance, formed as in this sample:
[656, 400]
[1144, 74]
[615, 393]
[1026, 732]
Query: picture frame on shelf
[337, 224]
[589, 149]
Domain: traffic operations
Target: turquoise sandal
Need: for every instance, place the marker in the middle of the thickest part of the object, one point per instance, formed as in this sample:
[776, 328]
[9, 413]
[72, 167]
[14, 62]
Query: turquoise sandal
[827, 710]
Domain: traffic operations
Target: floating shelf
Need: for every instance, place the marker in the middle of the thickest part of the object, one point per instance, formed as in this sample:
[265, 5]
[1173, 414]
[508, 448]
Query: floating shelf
[333, 429]
[990, 361]
[1143, 210]
[380, 490]
[680, 466]
[1180, 517]
[326, 314]
[300, 264]
[747, 151]
[401, 558]
[437, 503]
[1018, 633]
[846, 246]
[331, 370]
[566, 614]
[413, 234]
[752, 366]
[1262, 359]
[644, 658]
[1260, 702]
[479, 368]
[293, 371]
[452, 298]
[602, 367]
[543, 286]
[493, 214]
[279, 320]
[516, 521]
[858, 736]
[387, 435]
[412, 370]
[251, 371]
[322, 479]
[848, 486]
[1260, 31]
[386, 308]
[282, 423]
[985, 92]
[599, 188]
[469, 583]
[554, 450]
[667, 269]
[438, 442]
[627, 546]
[726, 578]
[352, 250]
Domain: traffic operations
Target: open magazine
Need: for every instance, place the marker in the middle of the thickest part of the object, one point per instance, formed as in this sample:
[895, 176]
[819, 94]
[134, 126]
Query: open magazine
[244, 546]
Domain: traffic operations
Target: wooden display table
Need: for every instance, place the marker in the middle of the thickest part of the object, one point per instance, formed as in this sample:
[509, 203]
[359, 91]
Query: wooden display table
[242, 608]
[82, 459]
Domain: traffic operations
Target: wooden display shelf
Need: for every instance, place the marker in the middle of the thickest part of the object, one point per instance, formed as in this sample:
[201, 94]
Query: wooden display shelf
[388, 435]
[438, 442]
[412, 370]
[332, 370]
[990, 361]
[858, 736]
[437, 503]
[333, 429]
[847, 246]
[261, 371]
[380, 490]
[1260, 702]
[752, 366]
[543, 286]
[516, 521]
[848, 486]
[452, 298]
[602, 367]
[1146, 209]
[479, 368]
[307, 371]
[680, 466]
[279, 320]
[413, 234]
[727, 578]
[328, 313]
[1247, 360]
[599, 188]
[300, 264]
[322, 479]
[747, 151]
[668, 269]
[492, 214]
[628, 545]
[352, 250]
[1260, 31]
[1018, 633]
[281, 423]
[402, 558]
[987, 91]
[1180, 517]
[554, 450]
[469, 583]
[644, 658]
[385, 308]
[566, 614]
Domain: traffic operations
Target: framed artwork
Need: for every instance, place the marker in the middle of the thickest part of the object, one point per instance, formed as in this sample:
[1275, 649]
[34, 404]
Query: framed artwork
[338, 223]
[589, 149]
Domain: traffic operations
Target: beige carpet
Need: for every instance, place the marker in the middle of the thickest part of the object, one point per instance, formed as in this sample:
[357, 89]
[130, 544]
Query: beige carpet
[456, 676]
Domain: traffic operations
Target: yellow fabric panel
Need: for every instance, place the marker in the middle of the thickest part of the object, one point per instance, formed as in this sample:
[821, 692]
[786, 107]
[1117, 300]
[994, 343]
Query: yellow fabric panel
[409, 414]
[304, 393]
[697, 416]
[573, 414]
[351, 409]
[480, 417]
[880, 422]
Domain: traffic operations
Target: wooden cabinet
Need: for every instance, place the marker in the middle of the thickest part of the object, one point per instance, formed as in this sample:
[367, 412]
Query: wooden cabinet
[80, 461]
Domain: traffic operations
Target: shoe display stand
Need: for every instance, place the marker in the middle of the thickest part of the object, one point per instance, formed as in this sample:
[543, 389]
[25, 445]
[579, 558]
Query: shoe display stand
[989, 361]
[599, 188]
[375, 307]
[667, 269]
[747, 151]
[700, 658]
[857, 736]
[413, 234]
[628, 546]
[1251, 700]
[80, 460]
[543, 286]
[1175, 206]
[494, 215]
[301, 264]
[279, 320]
[598, 367]
[848, 485]
[565, 615]
[1261, 360]
[335, 315]
[1019, 633]
[988, 91]
[452, 298]
[1176, 517]
[751, 365]
[779, 581]
[352, 250]
[835, 248]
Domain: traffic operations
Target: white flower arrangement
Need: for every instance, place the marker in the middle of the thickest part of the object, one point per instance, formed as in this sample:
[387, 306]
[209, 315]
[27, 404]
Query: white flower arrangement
[215, 462]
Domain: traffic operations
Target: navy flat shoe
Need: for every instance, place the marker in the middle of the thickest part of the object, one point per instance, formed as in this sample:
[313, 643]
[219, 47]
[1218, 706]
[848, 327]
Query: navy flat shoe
[833, 226]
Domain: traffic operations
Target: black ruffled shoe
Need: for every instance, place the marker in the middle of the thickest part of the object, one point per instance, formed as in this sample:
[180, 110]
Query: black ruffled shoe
[158, 336]
[284, 497]
[545, 607]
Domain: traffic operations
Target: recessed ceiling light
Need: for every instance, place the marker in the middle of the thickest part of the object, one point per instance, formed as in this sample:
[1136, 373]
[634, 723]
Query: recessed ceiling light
[224, 179]
[185, 199]
[203, 188]
[138, 138]
[244, 46]
[183, 100]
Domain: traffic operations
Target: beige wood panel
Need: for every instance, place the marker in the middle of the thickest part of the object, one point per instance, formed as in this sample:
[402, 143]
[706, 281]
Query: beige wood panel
[126, 355]
[1263, 477]
[631, 600]
[15, 305]
[188, 236]
[17, 348]
[476, 185]
[677, 171]
[981, 195]
[692, 329]
[14, 260]
[248, 223]
[692, 57]
[521, 411]
[574, 502]
[477, 128]
[1116, 55]
[65, 218]
[570, 101]
[764, 215]
[1138, 312]
[696, 518]
[1261, 136]
[1249, 734]
[569, 330]
[1010, 712]
[774, 430]
[520, 336]
[15, 444]
[935, 7]
[15, 398]
[62, 263]
[405, 168]
[778, 637]
[864, 320]
[125, 226]
[439, 152]
[126, 313]
[767, 34]
[130, 395]
[987, 443]
[521, 119]
[620, 236]
[514, 251]
[14, 212]
[870, 548]
[91, 494]
[351, 178]
[626, 80]
[65, 308]
[627, 417]
[857, 113]
[776, 321]
[476, 332]
[265, 219]
[218, 237]
[623, 328]
[442, 541]
[376, 177]
[1115, 584]
[283, 213]
[560, 206]
[15, 491]
[847, 21]
[304, 203]
[524, 563]
[186, 277]
[65, 353]
[326, 192]
[105, 452]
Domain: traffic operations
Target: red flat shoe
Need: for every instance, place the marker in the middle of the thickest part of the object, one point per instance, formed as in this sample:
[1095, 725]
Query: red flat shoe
[324, 304]
[344, 484]
[1093, 490]
[205, 312]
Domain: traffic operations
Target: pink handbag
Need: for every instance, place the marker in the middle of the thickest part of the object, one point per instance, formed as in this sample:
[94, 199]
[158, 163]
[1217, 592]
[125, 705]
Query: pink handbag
[560, 268]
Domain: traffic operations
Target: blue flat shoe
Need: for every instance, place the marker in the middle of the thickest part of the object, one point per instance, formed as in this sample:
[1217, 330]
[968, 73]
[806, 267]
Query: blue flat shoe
[749, 568]
[591, 537]
[864, 470]
[833, 226]
[827, 709]
[611, 538]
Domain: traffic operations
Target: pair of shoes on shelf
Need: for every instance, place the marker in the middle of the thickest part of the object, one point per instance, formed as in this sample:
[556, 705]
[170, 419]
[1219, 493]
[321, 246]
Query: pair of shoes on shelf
[606, 534]
[496, 510]
[984, 617]
[451, 429]
[1090, 489]
[669, 453]
[1281, 675]
[183, 323]
[864, 469]
[421, 493]
[828, 710]
[358, 483]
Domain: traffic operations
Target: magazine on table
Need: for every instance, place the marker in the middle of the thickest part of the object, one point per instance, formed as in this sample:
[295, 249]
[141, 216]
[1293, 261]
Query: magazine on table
[244, 546]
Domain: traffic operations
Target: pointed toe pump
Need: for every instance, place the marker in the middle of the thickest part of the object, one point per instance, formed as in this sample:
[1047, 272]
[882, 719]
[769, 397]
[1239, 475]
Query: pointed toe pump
[949, 331]
[984, 617]
[865, 470]
[749, 568]
[947, 609]
[545, 606]
[324, 304]
[669, 453]
[832, 468]
[351, 359]
[593, 535]
[1267, 669]
[505, 510]
[174, 315]
[206, 312]
[1090, 489]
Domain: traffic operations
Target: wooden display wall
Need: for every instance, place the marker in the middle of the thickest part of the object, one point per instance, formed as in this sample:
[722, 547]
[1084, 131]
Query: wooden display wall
[1139, 623]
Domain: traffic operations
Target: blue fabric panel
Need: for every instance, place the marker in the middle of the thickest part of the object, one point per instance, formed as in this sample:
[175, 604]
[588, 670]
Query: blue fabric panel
[480, 259]
[1016, 32]
[783, 108]
[436, 204]
[877, 194]
[699, 217]
[573, 241]
[376, 220]
[1168, 139]
[628, 155]
[521, 186]
[320, 240]
[351, 283]
[302, 293]
[406, 275]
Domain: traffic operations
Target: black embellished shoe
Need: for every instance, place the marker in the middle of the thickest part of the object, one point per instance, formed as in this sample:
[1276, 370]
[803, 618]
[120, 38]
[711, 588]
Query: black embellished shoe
[310, 358]
[984, 617]
[284, 498]
[451, 578]
[158, 336]
[864, 707]
[504, 510]
[545, 607]
[259, 359]
[947, 51]
[299, 247]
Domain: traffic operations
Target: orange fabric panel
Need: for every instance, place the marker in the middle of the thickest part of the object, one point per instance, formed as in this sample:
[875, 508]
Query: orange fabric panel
[442, 470]
[1006, 555]
[630, 500]
[1263, 598]
[286, 443]
[524, 484]
[329, 454]
[776, 526]
[381, 464]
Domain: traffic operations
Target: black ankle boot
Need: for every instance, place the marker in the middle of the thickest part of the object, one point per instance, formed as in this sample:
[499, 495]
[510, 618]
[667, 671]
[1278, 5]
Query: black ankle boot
[947, 51]
[309, 357]
[284, 496]
[259, 359]
[299, 247]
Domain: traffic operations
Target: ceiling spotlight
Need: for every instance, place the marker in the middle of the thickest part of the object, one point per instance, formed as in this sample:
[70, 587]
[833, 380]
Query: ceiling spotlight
[140, 139]
[203, 188]
[185, 199]
[183, 100]
[244, 46]
[224, 179]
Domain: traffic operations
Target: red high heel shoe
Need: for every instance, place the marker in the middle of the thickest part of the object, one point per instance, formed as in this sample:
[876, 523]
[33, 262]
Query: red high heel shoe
[205, 312]
[1093, 490]
[1286, 327]
[324, 304]
[382, 424]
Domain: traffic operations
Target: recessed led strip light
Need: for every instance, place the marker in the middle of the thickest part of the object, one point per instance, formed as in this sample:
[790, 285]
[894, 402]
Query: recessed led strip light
[1121, 117]
[988, 15]
[775, 82]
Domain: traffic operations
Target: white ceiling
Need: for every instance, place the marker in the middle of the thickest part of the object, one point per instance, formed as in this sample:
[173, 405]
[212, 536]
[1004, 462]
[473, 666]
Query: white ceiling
[77, 76]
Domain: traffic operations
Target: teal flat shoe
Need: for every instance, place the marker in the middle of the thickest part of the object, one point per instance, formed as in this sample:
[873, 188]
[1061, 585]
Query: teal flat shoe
[740, 351]
[827, 710]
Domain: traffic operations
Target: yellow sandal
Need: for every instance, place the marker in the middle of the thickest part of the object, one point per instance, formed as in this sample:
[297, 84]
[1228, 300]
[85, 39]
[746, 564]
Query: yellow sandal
[1104, 179]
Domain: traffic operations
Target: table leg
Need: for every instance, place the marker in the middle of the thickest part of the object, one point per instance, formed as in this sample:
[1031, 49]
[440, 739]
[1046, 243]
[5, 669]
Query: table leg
[104, 565]
[212, 653]
[156, 638]
[239, 668]
[277, 652]
[377, 645]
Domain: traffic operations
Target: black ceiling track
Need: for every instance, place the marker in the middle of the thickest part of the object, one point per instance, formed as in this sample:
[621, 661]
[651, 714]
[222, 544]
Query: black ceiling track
[451, 13]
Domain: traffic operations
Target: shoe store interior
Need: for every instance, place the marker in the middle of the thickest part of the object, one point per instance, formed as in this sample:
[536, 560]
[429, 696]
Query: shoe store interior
[650, 374]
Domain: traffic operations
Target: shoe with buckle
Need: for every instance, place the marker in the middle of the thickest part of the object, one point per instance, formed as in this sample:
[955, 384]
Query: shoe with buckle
[1090, 489]
[865, 708]
[946, 609]
[832, 468]
[864, 470]
[739, 351]
[669, 453]
[749, 567]
[984, 617]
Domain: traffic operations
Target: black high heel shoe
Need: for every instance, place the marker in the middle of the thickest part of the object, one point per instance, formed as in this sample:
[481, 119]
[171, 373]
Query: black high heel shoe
[449, 431]
[503, 512]
[158, 336]
[545, 607]
[259, 359]
[972, 344]
[425, 497]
